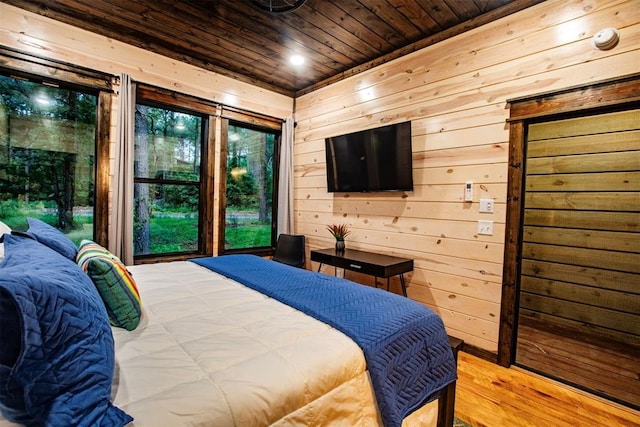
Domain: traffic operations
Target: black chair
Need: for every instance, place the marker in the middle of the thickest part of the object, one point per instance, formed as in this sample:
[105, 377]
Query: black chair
[290, 250]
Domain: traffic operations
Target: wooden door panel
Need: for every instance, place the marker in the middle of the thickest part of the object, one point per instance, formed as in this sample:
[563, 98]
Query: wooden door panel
[584, 144]
[586, 315]
[579, 293]
[606, 181]
[591, 276]
[600, 162]
[614, 221]
[620, 261]
[585, 201]
[586, 125]
[582, 238]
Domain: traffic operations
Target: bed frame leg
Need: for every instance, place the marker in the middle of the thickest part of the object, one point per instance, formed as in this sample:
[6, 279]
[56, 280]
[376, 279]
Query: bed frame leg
[446, 405]
[447, 400]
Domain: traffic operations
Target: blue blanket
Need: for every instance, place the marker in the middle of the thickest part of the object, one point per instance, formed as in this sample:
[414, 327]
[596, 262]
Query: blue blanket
[55, 325]
[404, 343]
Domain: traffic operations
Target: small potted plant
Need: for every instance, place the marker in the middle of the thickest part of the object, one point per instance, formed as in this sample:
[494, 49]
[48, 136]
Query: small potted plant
[339, 231]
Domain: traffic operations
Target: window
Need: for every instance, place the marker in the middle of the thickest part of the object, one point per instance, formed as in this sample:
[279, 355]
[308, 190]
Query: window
[179, 212]
[48, 140]
[167, 181]
[249, 211]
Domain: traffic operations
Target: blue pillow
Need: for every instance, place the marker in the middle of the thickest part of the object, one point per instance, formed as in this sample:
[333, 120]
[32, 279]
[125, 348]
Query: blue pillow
[52, 237]
[65, 369]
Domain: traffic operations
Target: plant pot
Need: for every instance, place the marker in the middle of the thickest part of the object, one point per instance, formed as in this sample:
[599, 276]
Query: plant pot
[340, 246]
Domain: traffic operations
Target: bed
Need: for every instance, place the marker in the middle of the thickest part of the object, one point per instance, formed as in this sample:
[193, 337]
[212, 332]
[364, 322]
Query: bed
[211, 350]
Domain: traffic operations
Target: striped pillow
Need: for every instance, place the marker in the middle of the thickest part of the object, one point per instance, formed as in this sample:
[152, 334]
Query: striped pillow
[114, 283]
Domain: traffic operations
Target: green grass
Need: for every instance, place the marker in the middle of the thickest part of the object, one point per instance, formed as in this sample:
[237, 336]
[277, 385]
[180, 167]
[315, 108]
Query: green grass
[179, 234]
[248, 236]
[83, 233]
[16, 219]
[175, 233]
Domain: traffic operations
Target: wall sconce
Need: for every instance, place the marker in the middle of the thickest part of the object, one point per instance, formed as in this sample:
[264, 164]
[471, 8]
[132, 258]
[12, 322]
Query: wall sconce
[606, 39]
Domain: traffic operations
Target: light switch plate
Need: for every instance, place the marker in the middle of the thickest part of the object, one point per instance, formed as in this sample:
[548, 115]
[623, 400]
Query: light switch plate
[485, 227]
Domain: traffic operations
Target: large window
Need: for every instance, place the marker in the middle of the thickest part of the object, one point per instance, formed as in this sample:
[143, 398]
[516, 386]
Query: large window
[167, 181]
[249, 212]
[48, 156]
[185, 202]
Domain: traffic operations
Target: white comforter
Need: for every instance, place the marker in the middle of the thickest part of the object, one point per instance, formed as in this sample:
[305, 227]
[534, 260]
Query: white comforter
[212, 352]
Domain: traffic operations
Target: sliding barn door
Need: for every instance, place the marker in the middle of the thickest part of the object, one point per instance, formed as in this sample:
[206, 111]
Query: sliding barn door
[579, 275]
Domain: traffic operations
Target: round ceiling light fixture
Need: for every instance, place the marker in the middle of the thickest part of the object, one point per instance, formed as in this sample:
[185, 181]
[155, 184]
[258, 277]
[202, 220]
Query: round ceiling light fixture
[296, 60]
[606, 39]
[278, 6]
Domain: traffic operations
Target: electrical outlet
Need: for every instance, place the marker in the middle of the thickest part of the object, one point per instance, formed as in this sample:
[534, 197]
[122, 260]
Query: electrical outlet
[485, 227]
[486, 205]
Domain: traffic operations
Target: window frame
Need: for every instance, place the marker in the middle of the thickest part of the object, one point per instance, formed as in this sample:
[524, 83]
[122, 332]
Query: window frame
[26, 66]
[236, 117]
[160, 98]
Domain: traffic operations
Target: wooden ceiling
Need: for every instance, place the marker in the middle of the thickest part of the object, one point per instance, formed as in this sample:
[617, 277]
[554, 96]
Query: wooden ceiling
[338, 38]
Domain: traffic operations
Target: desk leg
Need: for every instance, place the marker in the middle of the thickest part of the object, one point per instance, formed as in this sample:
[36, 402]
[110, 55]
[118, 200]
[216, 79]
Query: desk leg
[335, 270]
[404, 286]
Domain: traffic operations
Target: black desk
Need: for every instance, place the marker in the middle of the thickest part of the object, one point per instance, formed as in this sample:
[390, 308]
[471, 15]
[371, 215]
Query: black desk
[376, 265]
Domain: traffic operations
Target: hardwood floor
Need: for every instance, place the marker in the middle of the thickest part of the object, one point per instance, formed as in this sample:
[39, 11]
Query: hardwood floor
[492, 396]
[598, 364]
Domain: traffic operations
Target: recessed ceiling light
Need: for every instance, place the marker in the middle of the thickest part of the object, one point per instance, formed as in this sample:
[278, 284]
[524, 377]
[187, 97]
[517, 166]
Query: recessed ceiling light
[296, 59]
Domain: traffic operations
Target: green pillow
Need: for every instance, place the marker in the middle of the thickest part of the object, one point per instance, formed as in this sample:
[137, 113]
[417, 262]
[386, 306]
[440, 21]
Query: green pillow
[114, 283]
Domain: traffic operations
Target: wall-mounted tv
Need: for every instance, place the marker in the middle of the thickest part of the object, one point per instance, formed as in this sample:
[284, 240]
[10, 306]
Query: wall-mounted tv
[371, 160]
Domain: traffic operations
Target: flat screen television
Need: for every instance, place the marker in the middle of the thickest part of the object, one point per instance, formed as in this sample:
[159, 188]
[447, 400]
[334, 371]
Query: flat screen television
[371, 160]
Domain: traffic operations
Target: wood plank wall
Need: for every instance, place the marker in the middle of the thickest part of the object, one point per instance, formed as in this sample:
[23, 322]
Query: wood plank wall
[581, 246]
[455, 94]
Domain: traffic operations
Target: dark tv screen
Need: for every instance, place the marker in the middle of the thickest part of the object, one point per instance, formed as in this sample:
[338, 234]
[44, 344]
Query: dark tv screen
[371, 160]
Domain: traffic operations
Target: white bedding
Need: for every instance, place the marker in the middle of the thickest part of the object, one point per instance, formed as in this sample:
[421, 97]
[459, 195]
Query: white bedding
[211, 352]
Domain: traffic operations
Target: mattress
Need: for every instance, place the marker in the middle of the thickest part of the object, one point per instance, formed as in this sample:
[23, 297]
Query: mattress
[212, 352]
